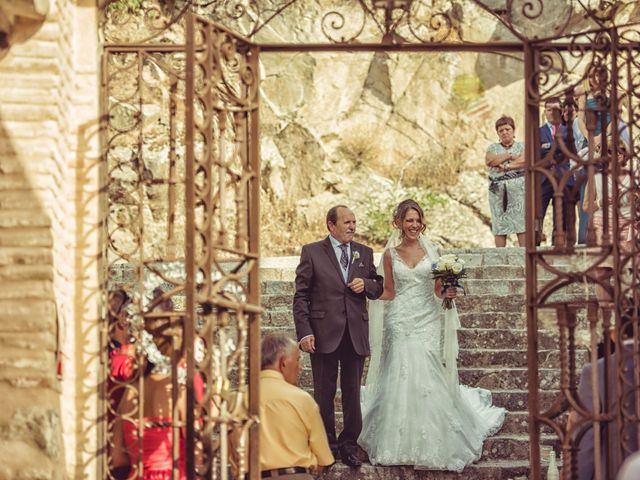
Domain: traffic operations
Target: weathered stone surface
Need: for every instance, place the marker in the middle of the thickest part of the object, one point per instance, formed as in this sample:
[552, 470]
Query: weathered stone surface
[504, 320]
[505, 470]
[41, 425]
[47, 151]
[499, 339]
[21, 460]
[506, 378]
[508, 358]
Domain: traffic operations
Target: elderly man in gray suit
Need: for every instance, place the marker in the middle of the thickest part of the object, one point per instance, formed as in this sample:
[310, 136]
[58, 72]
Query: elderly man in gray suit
[609, 435]
[333, 281]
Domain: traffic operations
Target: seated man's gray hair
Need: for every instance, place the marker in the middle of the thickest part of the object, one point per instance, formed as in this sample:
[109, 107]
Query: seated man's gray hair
[275, 346]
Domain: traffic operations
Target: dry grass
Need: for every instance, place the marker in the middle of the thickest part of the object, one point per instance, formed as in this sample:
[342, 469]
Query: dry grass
[283, 229]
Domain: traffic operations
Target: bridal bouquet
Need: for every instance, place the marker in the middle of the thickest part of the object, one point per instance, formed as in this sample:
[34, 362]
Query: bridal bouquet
[449, 269]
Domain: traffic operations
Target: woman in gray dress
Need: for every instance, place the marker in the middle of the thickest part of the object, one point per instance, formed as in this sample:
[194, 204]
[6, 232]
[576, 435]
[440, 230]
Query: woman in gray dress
[505, 160]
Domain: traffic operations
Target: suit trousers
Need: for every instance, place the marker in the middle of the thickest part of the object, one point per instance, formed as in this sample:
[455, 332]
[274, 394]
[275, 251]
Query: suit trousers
[324, 367]
[569, 201]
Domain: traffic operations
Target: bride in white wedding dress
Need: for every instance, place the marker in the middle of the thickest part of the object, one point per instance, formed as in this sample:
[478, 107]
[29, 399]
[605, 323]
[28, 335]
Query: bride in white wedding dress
[414, 410]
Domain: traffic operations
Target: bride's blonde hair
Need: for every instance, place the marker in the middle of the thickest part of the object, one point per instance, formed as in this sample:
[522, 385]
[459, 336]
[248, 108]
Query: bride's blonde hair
[400, 213]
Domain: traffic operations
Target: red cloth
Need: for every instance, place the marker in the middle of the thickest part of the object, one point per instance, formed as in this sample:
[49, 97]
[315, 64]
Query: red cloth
[121, 363]
[122, 368]
[156, 441]
[157, 448]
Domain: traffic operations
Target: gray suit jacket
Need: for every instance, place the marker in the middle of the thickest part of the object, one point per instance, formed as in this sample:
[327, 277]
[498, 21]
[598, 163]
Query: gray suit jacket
[609, 434]
[323, 305]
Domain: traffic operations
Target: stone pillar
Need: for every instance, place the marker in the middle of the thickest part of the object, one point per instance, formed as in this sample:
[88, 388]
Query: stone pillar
[49, 292]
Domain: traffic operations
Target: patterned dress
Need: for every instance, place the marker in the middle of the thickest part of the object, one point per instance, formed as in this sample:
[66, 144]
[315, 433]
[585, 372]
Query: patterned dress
[506, 194]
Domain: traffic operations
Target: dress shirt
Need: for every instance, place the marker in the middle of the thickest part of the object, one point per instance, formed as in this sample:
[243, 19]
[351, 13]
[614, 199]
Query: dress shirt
[291, 430]
[338, 251]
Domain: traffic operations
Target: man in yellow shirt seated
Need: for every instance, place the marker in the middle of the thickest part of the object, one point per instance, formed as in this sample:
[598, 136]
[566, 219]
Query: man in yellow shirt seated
[293, 442]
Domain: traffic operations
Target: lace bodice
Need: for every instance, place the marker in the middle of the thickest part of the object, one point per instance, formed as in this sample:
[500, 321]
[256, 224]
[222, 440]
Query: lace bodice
[415, 311]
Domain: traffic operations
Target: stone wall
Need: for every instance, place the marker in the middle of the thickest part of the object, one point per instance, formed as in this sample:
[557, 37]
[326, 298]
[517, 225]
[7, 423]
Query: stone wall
[48, 334]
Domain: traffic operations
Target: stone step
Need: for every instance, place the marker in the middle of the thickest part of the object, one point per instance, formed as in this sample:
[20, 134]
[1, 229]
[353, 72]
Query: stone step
[475, 338]
[283, 317]
[496, 338]
[515, 423]
[515, 401]
[283, 268]
[492, 379]
[482, 470]
[511, 442]
[506, 378]
[497, 359]
[512, 358]
[475, 297]
[506, 320]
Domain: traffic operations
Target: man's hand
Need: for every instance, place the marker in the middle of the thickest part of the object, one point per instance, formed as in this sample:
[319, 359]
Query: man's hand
[356, 285]
[308, 344]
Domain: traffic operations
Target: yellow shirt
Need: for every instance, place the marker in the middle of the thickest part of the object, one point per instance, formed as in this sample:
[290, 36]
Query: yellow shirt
[291, 430]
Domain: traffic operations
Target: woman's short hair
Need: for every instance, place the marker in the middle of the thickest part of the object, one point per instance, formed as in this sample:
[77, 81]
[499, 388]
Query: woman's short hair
[400, 213]
[275, 346]
[505, 120]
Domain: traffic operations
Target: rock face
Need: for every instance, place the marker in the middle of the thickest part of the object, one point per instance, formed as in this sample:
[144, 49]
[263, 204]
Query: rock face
[331, 122]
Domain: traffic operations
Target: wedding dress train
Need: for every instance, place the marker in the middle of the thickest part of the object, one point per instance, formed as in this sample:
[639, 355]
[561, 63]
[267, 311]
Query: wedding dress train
[413, 414]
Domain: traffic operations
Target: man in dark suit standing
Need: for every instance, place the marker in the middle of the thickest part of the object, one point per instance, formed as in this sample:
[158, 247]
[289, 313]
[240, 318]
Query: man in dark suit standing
[333, 281]
[551, 131]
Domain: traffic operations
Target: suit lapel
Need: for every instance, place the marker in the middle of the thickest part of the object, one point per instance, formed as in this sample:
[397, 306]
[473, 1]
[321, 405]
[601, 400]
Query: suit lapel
[332, 257]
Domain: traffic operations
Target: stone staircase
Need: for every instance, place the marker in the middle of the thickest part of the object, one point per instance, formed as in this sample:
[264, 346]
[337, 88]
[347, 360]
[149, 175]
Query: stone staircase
[493, 355]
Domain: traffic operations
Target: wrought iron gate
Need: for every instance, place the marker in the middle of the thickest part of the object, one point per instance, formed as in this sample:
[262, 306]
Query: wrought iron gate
[182, 250]
[604, 412]
[181, 224]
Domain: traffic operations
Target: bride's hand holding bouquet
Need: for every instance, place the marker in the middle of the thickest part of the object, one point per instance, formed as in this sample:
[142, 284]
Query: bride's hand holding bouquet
[447, 272]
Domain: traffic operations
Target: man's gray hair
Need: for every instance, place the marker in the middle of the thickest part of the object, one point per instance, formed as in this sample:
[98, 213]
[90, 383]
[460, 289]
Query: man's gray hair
[275, 346]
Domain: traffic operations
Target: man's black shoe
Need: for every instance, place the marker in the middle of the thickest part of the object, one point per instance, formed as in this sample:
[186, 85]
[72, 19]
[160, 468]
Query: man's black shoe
[349, 457]
[335, 451]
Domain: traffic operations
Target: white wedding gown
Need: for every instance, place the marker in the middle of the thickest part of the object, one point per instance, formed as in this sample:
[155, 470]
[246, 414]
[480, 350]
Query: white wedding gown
[411, 414]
